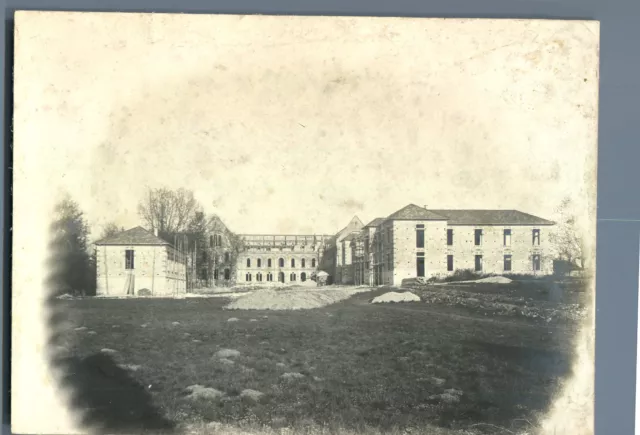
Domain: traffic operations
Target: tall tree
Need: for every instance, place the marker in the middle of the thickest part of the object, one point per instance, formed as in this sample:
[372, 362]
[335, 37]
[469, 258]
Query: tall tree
[110, 229]
[168, 211]
[567, 237]
[70, 232]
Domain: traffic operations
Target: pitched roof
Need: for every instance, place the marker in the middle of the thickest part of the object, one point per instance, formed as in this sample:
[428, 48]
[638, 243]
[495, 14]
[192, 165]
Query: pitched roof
[491, 217]
[375, 222]
[414, 212]
[350, 237]
[354, 225]
[134, 236]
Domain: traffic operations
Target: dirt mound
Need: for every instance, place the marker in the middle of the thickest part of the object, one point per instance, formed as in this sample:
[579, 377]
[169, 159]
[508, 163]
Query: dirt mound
[490, 279]
[301, 299]
[396, 297]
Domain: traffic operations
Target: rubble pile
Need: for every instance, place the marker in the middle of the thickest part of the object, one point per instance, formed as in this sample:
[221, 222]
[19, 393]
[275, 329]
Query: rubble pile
[503, 305]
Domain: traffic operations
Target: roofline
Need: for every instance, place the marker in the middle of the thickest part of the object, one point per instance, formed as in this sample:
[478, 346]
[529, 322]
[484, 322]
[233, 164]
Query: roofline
[285, 235]
[165, 243]
[502, 224]
[414, 219]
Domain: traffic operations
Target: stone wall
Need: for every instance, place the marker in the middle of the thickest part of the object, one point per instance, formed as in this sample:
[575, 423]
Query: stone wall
[259, 265]
[153, 271]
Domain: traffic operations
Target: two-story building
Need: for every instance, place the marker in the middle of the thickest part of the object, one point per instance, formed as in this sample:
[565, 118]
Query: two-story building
[419, 242]
[273, 259]
[136, 262]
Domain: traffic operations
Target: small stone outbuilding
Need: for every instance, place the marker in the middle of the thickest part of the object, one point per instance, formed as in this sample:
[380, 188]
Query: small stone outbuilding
[137, 262]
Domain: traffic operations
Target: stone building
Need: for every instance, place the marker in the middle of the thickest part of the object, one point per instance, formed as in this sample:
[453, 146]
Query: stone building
[279, 259]
[137, 262]
[363, 253]
[339, 252]
[419, 242]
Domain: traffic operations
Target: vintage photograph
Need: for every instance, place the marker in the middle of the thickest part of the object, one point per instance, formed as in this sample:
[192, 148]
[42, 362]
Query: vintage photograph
[255, 224]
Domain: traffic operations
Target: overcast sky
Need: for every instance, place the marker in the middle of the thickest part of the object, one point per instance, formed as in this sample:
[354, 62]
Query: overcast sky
[297, 127]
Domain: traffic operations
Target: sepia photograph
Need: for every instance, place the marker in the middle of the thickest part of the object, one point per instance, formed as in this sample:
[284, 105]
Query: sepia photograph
[252, 224]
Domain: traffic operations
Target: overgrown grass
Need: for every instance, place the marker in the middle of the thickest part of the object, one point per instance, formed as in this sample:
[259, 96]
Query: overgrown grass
[366, 368]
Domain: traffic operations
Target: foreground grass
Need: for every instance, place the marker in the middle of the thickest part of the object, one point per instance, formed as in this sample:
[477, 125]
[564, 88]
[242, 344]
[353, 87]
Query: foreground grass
[366, 368]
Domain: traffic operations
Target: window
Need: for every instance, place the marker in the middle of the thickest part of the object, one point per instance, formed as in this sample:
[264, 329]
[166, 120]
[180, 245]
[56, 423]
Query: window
[313, 262]
[128, 259]
[507, 238]
[449, 237]
[293, 262]
[303, 277]
[259, 262]
[420, 264]
[507, 263]
[226, 257]
[227, 274]
[302, 263]
[281, 263]
[259, 277]
[248, 277]
[536, 262]
[211, 242]
[478, 263]
[420, 236]
[215, 274]
[248, 262]
[281, 277]
[292, 277]
[536, 237]
[219, 240]
[478, 237]
[450, 263]
[389, 262]
[269, 262]
[269, 277]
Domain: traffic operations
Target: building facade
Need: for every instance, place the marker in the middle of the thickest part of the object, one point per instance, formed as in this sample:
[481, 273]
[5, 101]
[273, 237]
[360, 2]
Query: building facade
[279, 259]
[417, 242]
[343, 268]
[136, 262]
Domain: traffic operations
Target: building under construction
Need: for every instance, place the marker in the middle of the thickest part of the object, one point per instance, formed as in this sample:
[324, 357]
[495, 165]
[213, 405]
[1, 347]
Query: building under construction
[137, 262]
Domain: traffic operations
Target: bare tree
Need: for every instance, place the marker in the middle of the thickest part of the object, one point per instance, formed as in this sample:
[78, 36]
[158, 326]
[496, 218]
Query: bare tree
[168, 211]
[567, 238]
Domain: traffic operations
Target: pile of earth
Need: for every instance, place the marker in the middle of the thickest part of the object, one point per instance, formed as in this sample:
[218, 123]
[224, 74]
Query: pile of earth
[296, 299]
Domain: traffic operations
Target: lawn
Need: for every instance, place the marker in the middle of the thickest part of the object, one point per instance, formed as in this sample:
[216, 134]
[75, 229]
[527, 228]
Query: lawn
[351, 366]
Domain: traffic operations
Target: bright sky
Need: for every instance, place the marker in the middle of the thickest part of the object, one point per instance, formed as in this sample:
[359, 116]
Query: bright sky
[297, 127]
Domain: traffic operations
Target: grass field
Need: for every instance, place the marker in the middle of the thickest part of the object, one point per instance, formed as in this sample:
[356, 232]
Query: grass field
[389, 368]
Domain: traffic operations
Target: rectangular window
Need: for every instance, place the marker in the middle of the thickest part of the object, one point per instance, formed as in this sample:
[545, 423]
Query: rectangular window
[478, 237]
[450, 263]
[248, 262]
[128, 259]
[449, 237]
[420, 266]
[211, 241]
[478, 263]
[226, 257]
[293, 262]
[536, 237]
[269, 262]
[536, 262]
[388, 261]
[420, 236]
[507, 238]
[259, 261]
[507, 263]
